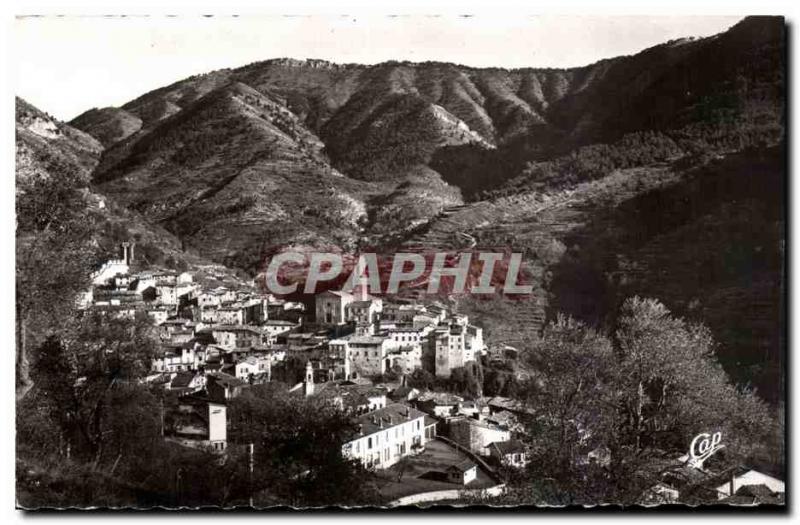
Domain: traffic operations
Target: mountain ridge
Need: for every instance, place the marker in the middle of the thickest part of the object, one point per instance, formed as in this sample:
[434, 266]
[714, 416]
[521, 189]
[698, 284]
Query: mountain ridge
[280, 154]
[532, 113]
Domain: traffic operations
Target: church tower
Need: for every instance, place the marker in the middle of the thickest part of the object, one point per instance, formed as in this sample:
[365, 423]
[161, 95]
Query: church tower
[127, 252]
[308, 384]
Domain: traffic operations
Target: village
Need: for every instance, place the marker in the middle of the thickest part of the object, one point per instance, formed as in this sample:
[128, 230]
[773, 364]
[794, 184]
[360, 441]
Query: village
[355, 352]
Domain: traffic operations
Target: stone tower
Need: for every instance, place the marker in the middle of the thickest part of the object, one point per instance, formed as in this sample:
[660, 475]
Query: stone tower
[308, 384]
[127, 252]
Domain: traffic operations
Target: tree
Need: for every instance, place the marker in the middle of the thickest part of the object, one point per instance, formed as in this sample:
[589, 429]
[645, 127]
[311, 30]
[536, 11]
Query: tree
[672, 386]
[421, 379]
[641, 397]
[573, 396]
[94, 427]
[297, 449]
[500, 379]
[466, 380]
[54, 257]
[88, 378]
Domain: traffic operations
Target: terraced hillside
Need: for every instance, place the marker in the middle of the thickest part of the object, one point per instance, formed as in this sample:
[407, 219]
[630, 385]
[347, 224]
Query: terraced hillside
[420, 137]
[534, 224]
[705, 239]
[585, 170]
[712, 250]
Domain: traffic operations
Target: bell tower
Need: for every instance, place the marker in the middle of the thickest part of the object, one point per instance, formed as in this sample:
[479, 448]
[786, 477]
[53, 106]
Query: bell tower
[308, 384]
[127, 252]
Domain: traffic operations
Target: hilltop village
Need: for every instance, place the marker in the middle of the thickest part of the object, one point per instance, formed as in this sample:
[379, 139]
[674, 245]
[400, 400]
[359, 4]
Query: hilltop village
[354, 350]
[357, 353]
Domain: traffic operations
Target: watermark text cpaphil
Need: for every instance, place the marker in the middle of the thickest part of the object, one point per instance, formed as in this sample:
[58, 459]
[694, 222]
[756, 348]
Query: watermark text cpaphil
[499, 272]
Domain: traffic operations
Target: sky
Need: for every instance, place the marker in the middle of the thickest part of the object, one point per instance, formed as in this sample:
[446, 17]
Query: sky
[66, 65]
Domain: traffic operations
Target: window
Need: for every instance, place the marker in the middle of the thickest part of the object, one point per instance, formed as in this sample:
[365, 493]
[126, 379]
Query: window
[369, 442]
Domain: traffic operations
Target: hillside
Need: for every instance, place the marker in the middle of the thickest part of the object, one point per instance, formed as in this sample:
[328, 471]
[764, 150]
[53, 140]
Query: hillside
[705, 238]
[109, 125]
[586, 170]
[47, 148]
[45, 145]
[478, 128]
[714, 254]
[231, 174]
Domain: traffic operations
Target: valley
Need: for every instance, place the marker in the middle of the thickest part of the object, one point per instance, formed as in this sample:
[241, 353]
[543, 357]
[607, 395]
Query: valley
[659, 174]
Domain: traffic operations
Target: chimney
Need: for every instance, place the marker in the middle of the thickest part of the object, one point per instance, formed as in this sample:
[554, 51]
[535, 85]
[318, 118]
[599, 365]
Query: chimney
[408, 413]
[360, 430]
[733, 483]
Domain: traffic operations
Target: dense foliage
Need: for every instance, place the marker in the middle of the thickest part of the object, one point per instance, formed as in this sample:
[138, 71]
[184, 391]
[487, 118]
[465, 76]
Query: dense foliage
[54, 255]
[642, 148]
[635, 398]
[90, 433]
[297, 449]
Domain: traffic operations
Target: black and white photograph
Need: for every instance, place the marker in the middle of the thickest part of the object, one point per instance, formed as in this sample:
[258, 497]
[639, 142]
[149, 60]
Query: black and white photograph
[502, 260]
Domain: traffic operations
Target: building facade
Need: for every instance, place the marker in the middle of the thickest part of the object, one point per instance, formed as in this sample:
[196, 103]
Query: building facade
[386, 435]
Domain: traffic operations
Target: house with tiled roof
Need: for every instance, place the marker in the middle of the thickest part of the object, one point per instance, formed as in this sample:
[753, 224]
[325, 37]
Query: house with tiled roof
[463, 472]
[187, 382]
[221, 386]
[386, 435]
[253, 369]
[179, 357]
[272, 328]
[404, 393]
[510, 453]
[750, 478]
[755, 495]
[680, 480]
[365, 314]
[476, 434]
[498, 404]
[363, 355]
[236, 336]
[439, 404]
